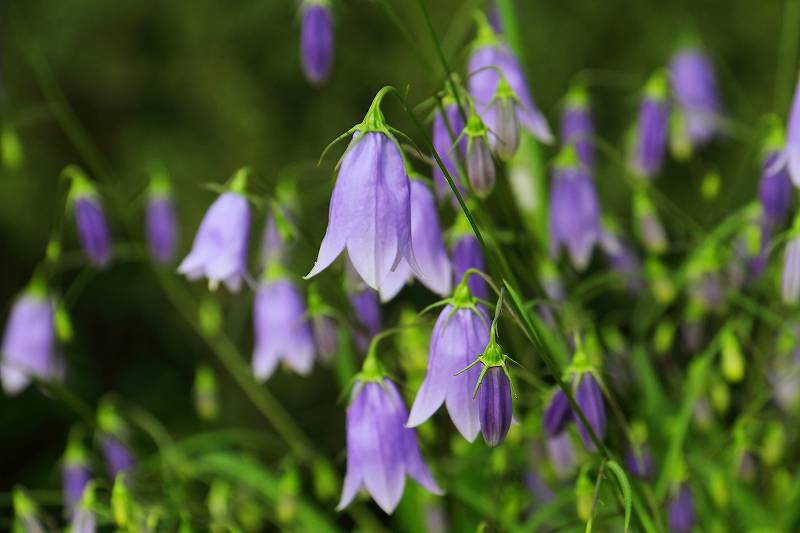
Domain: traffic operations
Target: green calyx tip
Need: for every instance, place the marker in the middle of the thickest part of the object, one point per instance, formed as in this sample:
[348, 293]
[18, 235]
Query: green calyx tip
[37, 287]
[775, 139]
[374, 120]
[485, 34]
[238, 182]
[567, 158]
[493, 354]
[462, 297]
[108, 420]
[75, 454]
[273, 270]
[24, 506]
[657, 86]
[372, 369]
[160, 185]
[475, 126]
[577, 97]
[80, 185]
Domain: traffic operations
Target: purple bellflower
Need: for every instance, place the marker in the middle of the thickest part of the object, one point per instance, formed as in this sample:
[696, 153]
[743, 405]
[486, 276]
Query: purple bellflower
[29, 348]
[381, 451]
[366, 308]
[316, 40]
[491, 61]
[792, 148]
[680, 510]
[467, 254]
[640, 462]
[590, 400]
[775, 188]
[650, 141]
[503, 121]
[561, 453]
[160, 220]
[577, 127]
[428, 247]
[623, 259]
[556, 414]
[694, 86]
[480, 165]
[446, 147]
[219, 252]
[370, 208]
[574, 209]
[90, 219]
[75, 475]
[113, 438]
[790, 279]
[461, 332]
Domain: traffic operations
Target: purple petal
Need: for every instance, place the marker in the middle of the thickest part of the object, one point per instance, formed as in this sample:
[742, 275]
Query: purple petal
[28, 343]
[557, 413]
[316, 42]
[695, 87]
[792, 149]
[93, 230]
[651, 137]
[574, 214]
[790, 279]
[494, 406]
[467, 254]
[590, 400]
[162, 228]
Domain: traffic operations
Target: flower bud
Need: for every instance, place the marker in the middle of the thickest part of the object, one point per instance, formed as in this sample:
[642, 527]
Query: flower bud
[503, 121]
[480, 165]
[161, 223]
[680, 510]
[10, 147]
[93, 232]
[733, 364]
[316, 40]
[205, 393]
[494, 406]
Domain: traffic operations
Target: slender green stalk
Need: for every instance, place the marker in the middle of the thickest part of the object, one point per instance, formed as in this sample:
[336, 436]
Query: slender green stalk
[785, 71]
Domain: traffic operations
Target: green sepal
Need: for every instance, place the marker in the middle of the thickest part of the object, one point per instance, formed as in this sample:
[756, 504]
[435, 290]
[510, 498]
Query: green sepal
[657, 87]
[80, 185]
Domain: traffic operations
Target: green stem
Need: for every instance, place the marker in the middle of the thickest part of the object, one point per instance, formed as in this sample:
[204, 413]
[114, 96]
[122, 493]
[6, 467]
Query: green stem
[785, 72]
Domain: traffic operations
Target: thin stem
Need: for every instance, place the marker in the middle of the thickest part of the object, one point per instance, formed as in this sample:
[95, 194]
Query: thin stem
[787, 56]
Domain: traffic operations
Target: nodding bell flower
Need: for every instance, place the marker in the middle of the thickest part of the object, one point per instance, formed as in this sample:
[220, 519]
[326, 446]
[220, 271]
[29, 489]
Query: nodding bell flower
[219, 252]
[561, 453]
[694, 86]
[792, 147]
[775, 187]
[75, 474]
[489, 63]
[680, 510]
[370, 209]
[650, 141]
[577, 127]
[160, 221]
[590, 401]
[466, 252]
[93, 232]
[556, 414]
[449, 145]
[648, 226]
[790, 279]
[502, 121]
[29, 348]
[381, 450]
[480, 165]
[639, 462]
[461, 331]
[574, 209]
[113, 437]
[427, 245]
[366, 307]
[316, 40]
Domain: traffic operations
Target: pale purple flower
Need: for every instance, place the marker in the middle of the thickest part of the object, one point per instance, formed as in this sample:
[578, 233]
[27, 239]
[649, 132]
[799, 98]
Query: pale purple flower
[458, 337]
[694, 85]
[428, 247]
[502, 119]
[281, 330]
[75, 477]
[28, 348]
[790, 280]
[775, 190]
[370, 212]
[162, 228]
[316, 40]
[445, 146]
[381, 451]
[92, 229]
[650, 142]
[574, 212]
[577, 127]
[590, 401]
[494, 406]
[83, 521]
[467, 254]
[219, 251]
[484, 63]
[792, 147]
[561, 454]
[480, 166]
[623, 259]
[117, 457]
[680, 511]
[367, 309]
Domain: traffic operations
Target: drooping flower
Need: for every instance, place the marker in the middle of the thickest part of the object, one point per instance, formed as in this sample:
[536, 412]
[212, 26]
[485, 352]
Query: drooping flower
[502, 120]
[381, 451]
[790, 279]
[444, 142]
[639, 462]
[480, 165]
[775, 187]
[651, 130]
[556, 414]
[75, 475]
[316, 40]
[574, 209]
[162, 226]
[461, 332]
[467, 254]
[113, 441]
[590, 401]
[370, 211]
[792, 147]
[494, 406]
[219, 252]
[90, 219]
[28, 348]
[281, 329]
[680, 510]
[561, 453]
[489, 61]
[428, 247]
[577, 127]
[694, 85]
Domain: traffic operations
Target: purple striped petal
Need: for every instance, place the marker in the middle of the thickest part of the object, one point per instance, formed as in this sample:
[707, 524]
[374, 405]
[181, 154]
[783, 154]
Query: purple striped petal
[590, 400]
[494, 406]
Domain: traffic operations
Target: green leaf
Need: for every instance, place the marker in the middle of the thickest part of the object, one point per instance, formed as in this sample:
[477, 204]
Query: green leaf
[625, 489]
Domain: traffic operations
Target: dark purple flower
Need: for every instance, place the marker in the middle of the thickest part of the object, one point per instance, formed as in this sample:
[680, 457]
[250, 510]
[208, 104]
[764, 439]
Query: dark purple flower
[640, 462]
[790, 279]
[427, 245]
[75, 475]
[219, 251]
[467, 254]
[694, 85]
[590, 401]
[792, 148]
[92, 229]
[775, 190]
[445, 146]
[162, 228]
[370, 210]
[577, 127]
[381, 451]
[494, 406]
[680, 511]
[28, 348]
[316, 40]
[652, 129]
[281, 329]
[556, 415]
[458, 336]
[117, 457]
[574, 210]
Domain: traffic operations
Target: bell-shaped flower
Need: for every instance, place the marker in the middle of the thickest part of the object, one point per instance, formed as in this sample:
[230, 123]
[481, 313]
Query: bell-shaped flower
[622, 258]
[792, 147]
[114, 434]
[694, 86]
[639, 462]
[467, 254]
[160, 220]
[428, 246]
[490, 61]
[219, 252]
[650, 140]
[75, 474]
[316, 40]
[93, 232]
[680, 510]
[480, 165]
[370, 211]
[556, 414]
[460, 333]
[561, 453]
[775, 187]
[577, 127]
[83, 519]
[503, 122]
[590, 401]
[449, 145]
[574, 209]
[28, 349]
[381, 451]
[790, 279]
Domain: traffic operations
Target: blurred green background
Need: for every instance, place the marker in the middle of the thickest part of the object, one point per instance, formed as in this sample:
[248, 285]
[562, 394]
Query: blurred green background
[205, 87]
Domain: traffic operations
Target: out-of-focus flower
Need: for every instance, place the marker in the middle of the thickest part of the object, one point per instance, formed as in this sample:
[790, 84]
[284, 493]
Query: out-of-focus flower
[792, 147]
[648, 225]
[93, 232]
[75, 474]
[694, 86]
[323, 326]
[113, 437]
[562, 454]
[790, 279]
[651, 130]
[444, 142]
[161, 224]
[775, 187]
[467, 254]
[480, 165]
[556, 415]
[639, 462]
[427, 245]
[590, 400]
[381, 451]
[622, 258]
[219, 252]
[83, 519]
[574, 209]
[680, 510]
[576, 125]
[316, 40]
